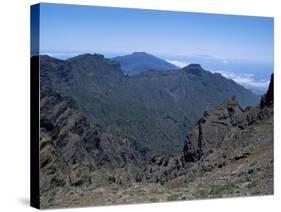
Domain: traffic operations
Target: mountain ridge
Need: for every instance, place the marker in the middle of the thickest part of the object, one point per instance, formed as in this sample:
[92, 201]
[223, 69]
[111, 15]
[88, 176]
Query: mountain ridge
[154, 101]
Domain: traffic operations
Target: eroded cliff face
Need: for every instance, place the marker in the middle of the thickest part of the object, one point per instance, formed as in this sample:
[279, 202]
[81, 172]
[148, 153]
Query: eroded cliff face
[211, 130]
[64, 160]
[267, 99]
[74, 153]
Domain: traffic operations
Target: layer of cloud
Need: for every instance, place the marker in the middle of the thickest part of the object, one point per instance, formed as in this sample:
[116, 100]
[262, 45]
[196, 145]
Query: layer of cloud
[246, 80]
[178, 63]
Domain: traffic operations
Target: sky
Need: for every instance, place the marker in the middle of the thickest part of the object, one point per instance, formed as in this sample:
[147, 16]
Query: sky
[220, 42]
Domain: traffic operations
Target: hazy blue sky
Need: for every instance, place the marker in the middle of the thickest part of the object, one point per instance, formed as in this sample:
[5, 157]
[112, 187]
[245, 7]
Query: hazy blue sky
[219, 41]
[83, 28]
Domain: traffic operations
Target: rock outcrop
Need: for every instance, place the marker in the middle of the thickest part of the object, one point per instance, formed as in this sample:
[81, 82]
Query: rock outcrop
[210, 131]
[224, 122]
[267, 99]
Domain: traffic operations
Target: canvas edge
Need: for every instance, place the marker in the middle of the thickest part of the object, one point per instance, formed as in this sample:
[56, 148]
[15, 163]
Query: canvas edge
[34, 106]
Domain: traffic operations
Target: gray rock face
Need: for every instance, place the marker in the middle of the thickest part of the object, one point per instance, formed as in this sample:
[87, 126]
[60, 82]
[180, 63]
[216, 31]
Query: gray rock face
[267, 99]
[220, 124]
[211, 129]
[64, 160]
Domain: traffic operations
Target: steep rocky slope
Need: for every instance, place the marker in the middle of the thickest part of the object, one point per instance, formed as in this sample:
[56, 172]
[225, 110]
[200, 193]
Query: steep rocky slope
[76, 154]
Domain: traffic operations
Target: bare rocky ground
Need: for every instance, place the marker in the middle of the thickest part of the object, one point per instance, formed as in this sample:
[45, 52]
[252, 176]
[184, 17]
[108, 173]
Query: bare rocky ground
[246, 176]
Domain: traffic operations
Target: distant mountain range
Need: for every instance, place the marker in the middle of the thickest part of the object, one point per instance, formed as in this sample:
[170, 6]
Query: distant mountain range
[138, 62]
[152, 109]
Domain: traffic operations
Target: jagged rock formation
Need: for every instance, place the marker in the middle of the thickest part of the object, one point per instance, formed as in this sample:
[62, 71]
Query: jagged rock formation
[64, 160]
[267, 99]
[211, 129]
